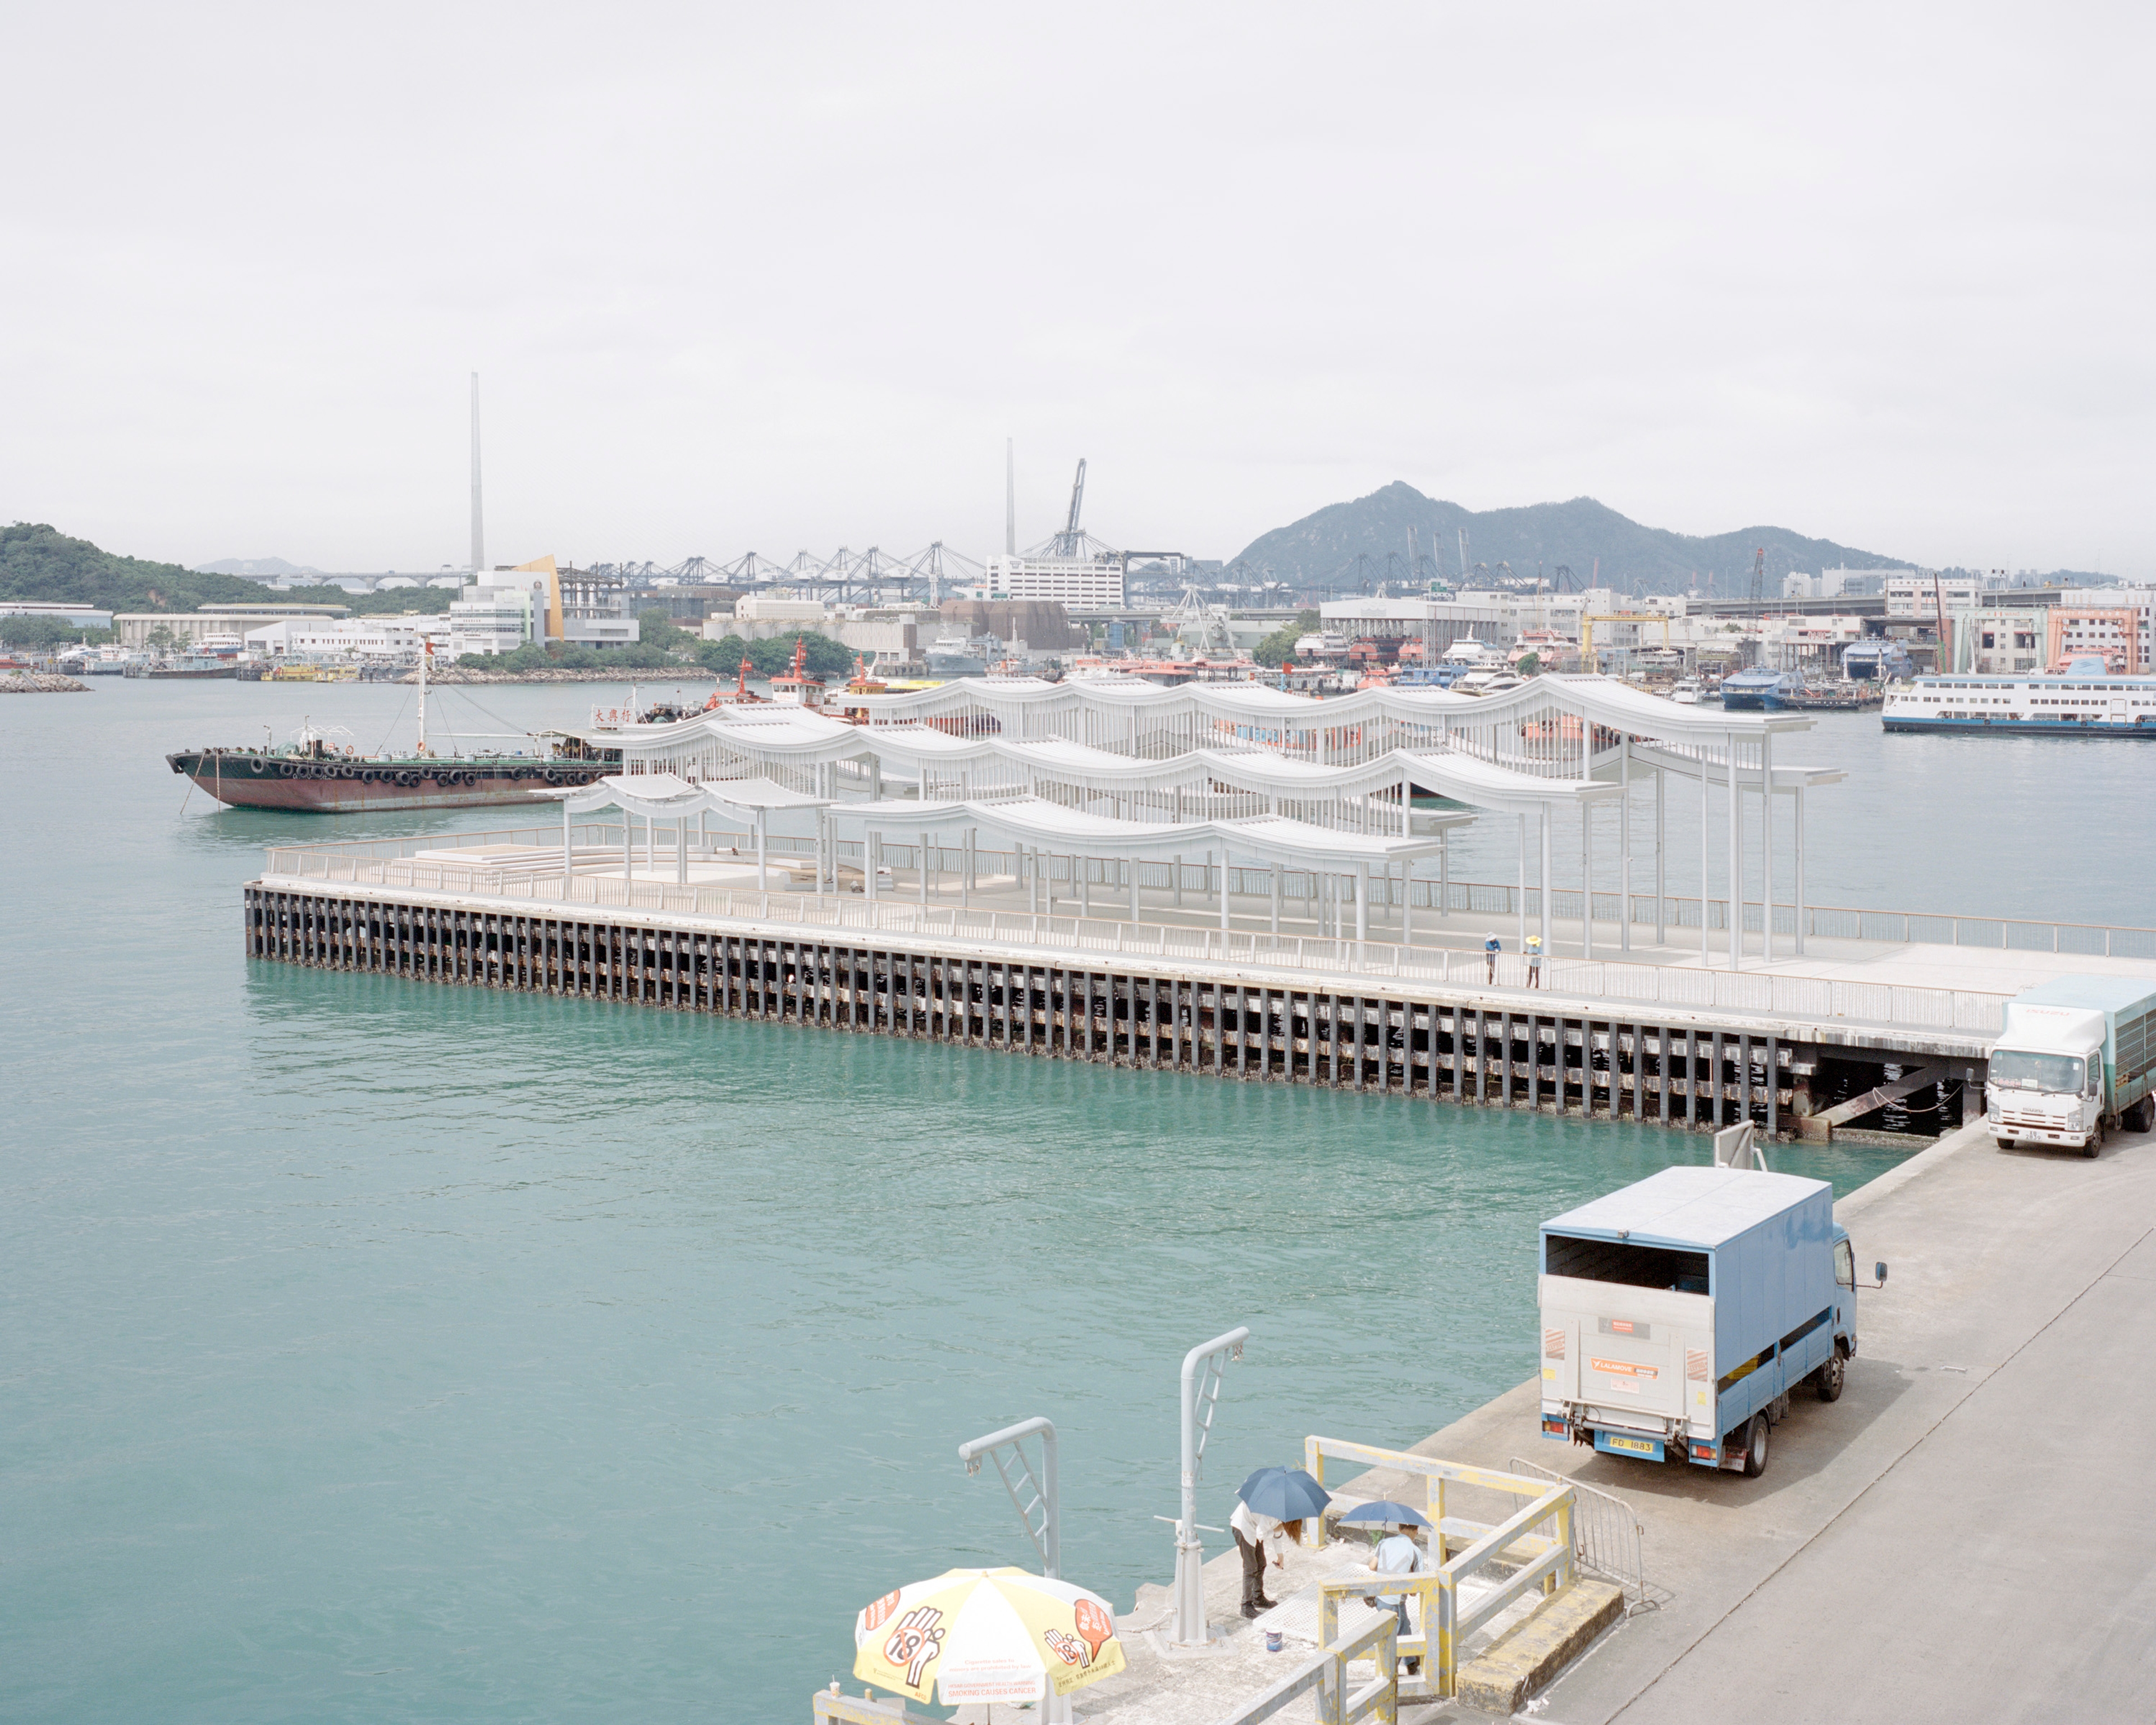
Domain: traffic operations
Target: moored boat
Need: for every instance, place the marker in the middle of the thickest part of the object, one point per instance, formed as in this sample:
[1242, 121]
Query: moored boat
[2065, 705]
[312, 774]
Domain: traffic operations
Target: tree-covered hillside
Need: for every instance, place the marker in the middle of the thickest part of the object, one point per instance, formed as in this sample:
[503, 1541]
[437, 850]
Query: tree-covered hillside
[37, 563]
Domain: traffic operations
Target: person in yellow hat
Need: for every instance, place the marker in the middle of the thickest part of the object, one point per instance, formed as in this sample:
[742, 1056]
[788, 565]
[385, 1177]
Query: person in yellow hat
[1534, 961]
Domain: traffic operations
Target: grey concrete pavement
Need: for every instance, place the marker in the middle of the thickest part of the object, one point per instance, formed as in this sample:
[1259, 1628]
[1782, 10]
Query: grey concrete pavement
[1966, 1533]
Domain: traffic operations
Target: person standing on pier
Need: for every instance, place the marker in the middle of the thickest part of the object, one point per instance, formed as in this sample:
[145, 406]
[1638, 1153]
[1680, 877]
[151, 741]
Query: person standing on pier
[1397, 1554]
[1534, 961]
[1253, 1534]
[1491, 949]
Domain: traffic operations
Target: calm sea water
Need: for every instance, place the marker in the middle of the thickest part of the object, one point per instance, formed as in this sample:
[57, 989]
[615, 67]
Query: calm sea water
[375, 1350]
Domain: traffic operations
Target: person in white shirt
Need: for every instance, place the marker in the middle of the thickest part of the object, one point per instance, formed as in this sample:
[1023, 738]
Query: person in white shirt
[1254, 1533]
[1397, 1554]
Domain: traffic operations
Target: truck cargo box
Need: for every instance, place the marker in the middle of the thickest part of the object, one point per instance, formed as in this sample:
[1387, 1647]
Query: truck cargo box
[1676, 1309]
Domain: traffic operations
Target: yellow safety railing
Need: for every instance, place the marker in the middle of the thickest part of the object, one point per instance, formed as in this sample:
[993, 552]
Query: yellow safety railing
[859, 1710]
[1535, 1541]
[1327, 1672]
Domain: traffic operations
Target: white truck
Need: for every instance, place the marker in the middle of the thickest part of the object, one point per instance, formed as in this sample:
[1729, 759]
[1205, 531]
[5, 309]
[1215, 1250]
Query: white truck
[2076, 1058]
[1679, 1313]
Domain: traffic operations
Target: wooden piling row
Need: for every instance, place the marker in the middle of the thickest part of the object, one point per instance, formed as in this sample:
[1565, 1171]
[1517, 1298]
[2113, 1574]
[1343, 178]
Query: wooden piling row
[1598, 1066]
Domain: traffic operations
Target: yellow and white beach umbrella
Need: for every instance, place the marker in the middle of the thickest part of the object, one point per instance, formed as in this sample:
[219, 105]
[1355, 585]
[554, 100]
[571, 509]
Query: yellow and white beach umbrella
[987, 1635]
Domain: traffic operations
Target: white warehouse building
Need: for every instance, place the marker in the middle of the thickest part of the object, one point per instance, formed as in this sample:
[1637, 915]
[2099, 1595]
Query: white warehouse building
[1079, 584]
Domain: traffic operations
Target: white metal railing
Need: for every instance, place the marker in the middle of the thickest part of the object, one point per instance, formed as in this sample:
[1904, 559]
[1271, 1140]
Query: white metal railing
[1606, 980]
[1471, 898]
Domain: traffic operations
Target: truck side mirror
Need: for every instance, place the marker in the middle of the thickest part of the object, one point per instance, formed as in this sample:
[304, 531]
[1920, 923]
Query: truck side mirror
[1879, 1274]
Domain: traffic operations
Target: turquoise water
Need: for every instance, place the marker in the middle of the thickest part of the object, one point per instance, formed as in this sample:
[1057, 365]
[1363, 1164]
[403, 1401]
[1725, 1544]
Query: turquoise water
[377, 1350]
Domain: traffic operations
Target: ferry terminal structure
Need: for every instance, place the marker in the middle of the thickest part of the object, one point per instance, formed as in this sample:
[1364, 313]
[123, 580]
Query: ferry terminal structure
[1237, 876]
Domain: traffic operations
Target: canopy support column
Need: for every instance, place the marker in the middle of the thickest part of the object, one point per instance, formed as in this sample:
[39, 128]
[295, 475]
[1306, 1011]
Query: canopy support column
[1361, 906]
[1523, 881]
[1544, 822]
[1736, 864]
[1661, 877]
[1625, 846]
[1705, 848]
[1445, 870]
[921, 874]
[761, 879]
[1797, 820]
[628, 845]
[1407, 901]
[1276, 873]
[681, 850]
[871, 855]
[1082, 867]
[569, 857]
[1134, 866]
[1767, 851]
[1586, 882]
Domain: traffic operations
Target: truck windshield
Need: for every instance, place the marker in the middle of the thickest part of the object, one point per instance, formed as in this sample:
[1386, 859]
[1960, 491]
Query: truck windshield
[2017, 1069]
[1632, 1266]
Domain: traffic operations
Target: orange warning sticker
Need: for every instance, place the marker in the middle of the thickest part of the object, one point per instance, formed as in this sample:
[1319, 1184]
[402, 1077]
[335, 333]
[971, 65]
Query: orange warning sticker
[1623, 1368]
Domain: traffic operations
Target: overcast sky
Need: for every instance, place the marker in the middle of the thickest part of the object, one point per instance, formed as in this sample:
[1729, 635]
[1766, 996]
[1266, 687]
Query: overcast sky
[768, 277]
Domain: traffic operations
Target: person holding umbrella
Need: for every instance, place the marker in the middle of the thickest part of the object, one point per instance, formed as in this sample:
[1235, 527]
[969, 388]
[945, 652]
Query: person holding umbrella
[1396, 1554]
[1252, 1531]
[1274, 1501]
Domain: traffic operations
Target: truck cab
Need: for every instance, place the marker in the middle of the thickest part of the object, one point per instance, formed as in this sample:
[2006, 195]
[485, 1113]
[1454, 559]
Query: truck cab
[1679, 1313]
[2075, 1057]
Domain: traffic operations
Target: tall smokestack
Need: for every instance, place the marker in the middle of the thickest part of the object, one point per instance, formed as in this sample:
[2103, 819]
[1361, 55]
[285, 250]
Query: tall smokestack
[479, 516]
[1010, 497]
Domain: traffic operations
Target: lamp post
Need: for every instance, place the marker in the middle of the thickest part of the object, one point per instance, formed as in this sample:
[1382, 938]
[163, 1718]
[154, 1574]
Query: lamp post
[1203, 1368]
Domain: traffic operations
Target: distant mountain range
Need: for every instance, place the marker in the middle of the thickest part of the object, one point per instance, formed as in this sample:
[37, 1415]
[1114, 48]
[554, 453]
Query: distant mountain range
[256, 567]
[1366, 541]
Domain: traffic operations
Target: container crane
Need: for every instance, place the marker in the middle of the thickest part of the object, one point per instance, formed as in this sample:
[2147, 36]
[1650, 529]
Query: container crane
[1070, 543]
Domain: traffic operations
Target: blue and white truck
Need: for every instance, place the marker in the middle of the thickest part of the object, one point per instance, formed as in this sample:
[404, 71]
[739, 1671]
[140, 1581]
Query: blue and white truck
[1679, 1313]
[2076, 1058]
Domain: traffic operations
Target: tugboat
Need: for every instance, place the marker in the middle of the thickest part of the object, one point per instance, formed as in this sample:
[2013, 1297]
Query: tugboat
[312, 775]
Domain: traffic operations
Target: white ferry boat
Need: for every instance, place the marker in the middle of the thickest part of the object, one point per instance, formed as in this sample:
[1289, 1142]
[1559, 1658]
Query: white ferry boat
[2069, 705]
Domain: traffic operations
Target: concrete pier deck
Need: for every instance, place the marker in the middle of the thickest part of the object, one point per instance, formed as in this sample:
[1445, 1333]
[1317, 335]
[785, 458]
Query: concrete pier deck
[1965, 1534]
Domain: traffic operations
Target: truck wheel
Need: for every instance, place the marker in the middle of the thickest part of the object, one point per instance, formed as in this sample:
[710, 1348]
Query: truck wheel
[2143, 1116]
[1827, 1380]
[1755, 1448]
[2094, 1144]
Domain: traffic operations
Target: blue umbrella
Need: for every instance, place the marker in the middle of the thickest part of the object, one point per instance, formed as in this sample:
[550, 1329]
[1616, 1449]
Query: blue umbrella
[1287, 1494]
[1385, 1510]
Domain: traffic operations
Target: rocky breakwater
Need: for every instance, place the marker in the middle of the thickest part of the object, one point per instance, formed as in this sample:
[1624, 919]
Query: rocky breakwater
[40, 683]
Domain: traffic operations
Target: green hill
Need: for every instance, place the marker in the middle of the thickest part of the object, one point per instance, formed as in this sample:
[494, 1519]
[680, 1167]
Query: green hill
[37, 563]
[1350, 545]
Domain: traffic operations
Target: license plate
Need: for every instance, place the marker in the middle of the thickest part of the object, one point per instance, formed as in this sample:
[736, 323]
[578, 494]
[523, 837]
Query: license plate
[1635, 1447]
